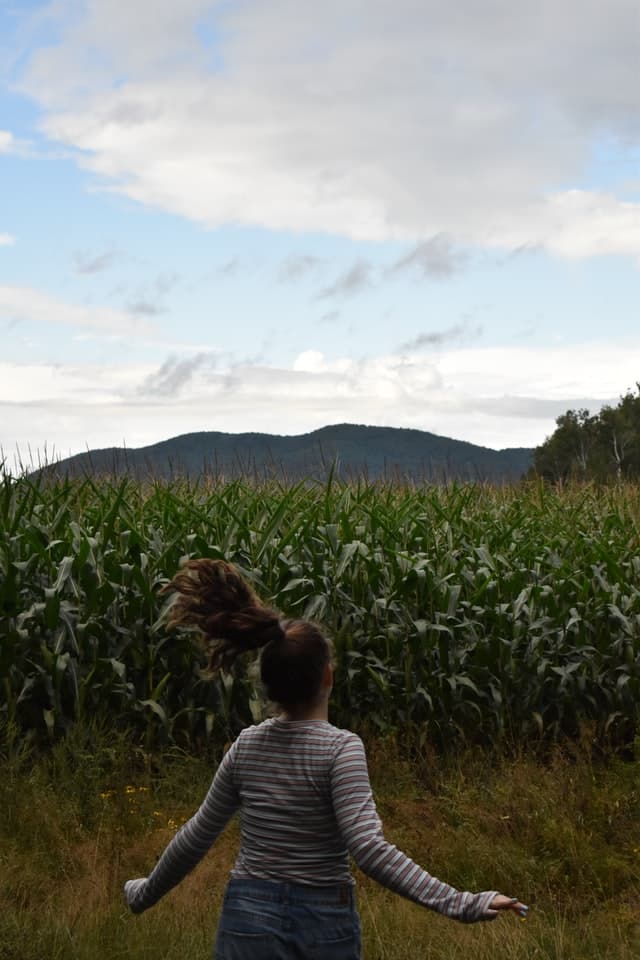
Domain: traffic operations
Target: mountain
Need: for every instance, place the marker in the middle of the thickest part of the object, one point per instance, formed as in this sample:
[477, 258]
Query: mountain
[355, 450]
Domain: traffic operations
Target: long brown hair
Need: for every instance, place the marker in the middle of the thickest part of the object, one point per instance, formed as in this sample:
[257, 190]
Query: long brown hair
[214, 597]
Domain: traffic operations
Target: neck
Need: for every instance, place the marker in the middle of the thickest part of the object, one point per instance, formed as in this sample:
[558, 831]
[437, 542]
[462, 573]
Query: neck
[309, 711]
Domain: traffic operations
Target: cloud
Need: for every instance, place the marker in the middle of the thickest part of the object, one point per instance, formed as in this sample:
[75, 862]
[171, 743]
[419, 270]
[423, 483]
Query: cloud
[362, 119]
[93, 263]
[12, 145]
[144, 308]
[166, 281]
[435, 338]
[300, 265]
[578, 223]
[436, 257]
[496, 397]
[230, 268]
[7, 240]
[330, 316]
[25, 303]
[6, 141]
[352, 281]
[175, 373]
[536, 408]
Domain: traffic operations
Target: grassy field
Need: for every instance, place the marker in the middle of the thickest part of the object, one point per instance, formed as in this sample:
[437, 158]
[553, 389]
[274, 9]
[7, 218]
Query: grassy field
[563, 836]
[487, 646]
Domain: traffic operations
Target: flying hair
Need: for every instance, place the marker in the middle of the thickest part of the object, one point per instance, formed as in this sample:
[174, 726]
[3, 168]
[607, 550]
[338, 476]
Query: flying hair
[213, 597]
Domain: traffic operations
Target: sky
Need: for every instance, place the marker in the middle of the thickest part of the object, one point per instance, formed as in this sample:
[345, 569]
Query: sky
[275, 215]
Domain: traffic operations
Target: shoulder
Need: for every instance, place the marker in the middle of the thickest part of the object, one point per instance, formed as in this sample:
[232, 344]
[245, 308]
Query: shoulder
[254, 733]
[258, 729]
[347, 738]
[346, 748]
[349, 742]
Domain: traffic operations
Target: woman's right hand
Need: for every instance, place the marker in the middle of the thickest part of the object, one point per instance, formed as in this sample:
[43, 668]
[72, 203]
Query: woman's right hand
[131, 889]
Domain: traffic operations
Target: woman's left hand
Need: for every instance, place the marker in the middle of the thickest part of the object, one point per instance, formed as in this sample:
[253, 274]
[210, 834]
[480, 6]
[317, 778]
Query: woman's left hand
[501, 903]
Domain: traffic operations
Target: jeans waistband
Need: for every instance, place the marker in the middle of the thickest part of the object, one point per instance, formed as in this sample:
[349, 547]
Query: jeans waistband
[283, 891]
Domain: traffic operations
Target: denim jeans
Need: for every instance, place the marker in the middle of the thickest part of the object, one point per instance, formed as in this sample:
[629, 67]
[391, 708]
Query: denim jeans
[269, 920]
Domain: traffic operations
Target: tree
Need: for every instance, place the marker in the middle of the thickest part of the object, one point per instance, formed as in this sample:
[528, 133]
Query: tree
[603, 447]
[568, 451]
[619, 429]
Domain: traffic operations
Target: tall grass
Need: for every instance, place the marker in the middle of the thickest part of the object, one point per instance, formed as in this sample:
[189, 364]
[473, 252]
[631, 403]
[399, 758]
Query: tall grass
[462, 614]
[92, 812]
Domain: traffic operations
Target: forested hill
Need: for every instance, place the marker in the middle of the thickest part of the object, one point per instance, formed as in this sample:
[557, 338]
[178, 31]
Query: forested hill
[354, 450]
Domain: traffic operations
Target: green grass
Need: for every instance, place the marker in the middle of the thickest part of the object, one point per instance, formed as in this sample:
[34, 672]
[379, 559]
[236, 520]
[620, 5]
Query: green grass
[564, 836]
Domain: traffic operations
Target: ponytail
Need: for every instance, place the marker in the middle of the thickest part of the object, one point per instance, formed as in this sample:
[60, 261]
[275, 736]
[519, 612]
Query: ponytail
[214, 597]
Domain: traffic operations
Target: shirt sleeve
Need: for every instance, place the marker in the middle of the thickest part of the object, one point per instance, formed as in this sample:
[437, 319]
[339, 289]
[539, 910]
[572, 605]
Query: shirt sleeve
[191, 842]
[361, 829]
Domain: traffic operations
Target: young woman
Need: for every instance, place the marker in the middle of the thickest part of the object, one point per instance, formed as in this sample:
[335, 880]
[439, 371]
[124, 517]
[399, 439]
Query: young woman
[302, 789]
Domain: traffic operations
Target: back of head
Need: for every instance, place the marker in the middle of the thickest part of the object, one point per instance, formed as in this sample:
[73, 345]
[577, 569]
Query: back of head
[213, 596]
[292, 669]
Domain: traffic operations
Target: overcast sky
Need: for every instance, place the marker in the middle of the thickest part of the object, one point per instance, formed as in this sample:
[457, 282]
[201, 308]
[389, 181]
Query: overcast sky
[275, 215]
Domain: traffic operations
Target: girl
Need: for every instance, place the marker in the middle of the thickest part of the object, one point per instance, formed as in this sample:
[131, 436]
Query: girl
[302, 788]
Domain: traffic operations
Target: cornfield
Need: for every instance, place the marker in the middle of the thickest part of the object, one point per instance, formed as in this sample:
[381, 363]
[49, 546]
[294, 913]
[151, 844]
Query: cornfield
[460, 614]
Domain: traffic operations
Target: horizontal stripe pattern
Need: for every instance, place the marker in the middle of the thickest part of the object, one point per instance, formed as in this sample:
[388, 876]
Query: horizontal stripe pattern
[303, 792]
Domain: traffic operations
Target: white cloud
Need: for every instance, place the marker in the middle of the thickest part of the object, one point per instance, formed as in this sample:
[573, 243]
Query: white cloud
[26, 304]
[576, 224]
[7, 240]
[356, 117]
[7, 141]
[495, 397]
[12, 145]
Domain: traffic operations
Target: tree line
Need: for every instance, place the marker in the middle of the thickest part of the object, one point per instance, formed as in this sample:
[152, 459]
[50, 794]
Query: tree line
[603, 447]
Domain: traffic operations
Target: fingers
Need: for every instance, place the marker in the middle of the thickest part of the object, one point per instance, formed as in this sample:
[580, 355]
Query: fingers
[508, 903]
[520, 908]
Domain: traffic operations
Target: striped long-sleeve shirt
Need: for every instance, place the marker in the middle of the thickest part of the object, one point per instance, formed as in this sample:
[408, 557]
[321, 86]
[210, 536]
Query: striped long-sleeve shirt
[303, 792]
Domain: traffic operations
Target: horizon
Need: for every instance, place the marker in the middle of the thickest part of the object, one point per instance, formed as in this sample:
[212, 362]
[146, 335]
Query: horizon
[53, 458]
[277, 216]
[35, 462]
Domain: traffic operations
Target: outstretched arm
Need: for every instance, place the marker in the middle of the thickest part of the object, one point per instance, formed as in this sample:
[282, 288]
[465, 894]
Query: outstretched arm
[191, 842]
[361, 829]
